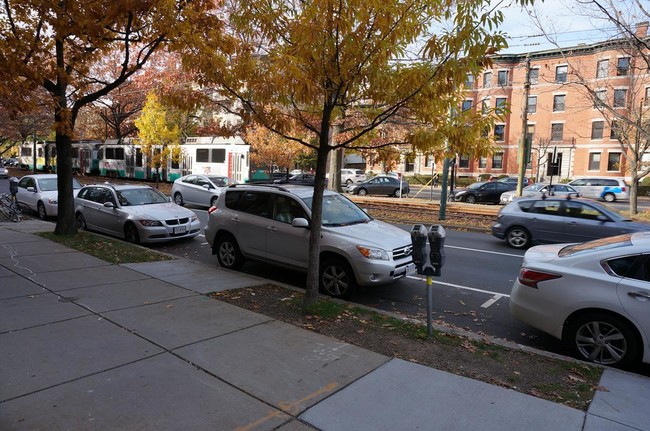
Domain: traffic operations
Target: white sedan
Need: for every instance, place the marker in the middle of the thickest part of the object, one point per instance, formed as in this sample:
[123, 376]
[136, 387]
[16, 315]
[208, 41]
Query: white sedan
[539, 190]
[202, 190]
[595, 296]
[40, 193]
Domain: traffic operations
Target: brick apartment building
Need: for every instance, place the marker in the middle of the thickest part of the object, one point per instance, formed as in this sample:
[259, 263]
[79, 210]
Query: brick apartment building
[562, 116]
